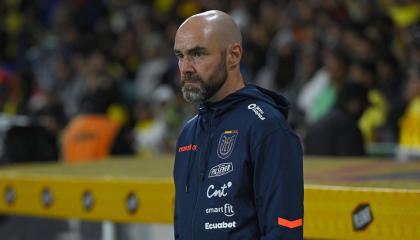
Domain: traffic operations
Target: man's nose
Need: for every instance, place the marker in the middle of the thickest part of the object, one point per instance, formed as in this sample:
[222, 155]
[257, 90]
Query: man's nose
[185, 66]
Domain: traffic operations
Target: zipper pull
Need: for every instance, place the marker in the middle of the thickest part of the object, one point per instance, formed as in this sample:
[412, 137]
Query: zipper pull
[186, 188]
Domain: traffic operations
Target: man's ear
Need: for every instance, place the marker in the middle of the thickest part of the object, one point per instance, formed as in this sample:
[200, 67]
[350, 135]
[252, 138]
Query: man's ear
[234, 55]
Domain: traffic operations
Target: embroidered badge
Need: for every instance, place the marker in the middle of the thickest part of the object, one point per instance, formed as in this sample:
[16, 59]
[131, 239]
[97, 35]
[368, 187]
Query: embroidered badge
[226, 143]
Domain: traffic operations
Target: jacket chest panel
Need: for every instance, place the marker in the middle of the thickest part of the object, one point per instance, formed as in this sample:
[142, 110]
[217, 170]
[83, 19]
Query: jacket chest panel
[225, 181]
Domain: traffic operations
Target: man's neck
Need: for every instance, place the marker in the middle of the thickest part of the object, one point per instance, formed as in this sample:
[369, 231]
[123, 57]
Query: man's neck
[231, 85]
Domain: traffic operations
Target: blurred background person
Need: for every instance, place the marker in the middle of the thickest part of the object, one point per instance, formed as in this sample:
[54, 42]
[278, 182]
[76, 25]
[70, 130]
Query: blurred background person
[337, 133]
[318, 95]
[410, 128]
[92, 134]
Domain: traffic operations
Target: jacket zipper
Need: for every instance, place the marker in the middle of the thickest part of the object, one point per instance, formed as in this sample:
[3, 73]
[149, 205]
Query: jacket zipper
[201, 180]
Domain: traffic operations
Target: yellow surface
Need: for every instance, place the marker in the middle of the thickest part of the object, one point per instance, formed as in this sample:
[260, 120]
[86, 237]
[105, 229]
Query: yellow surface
[328, 213]
[109, 182]
[410, 126]
[333, 190]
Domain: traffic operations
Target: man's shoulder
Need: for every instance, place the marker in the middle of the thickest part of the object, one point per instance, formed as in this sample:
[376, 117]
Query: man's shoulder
[191, 120]
[189, 124]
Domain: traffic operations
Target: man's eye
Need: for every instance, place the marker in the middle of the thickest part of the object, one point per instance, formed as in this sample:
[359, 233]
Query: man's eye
[197, 54]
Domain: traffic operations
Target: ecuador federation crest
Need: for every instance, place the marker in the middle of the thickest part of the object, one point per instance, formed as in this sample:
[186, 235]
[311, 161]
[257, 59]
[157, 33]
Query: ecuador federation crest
[226, 143]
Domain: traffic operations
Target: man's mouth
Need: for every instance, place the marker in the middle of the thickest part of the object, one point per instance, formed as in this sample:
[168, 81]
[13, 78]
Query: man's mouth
[190, 82]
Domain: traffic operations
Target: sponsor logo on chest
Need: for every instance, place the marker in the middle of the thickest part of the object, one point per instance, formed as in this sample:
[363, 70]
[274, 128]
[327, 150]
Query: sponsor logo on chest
[187, 148]
[221, 169]
[226, 209]
[220, 225]
[213, 192]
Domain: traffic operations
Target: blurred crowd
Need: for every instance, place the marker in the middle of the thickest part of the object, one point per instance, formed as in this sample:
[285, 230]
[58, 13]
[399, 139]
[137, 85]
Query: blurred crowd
[62, 59]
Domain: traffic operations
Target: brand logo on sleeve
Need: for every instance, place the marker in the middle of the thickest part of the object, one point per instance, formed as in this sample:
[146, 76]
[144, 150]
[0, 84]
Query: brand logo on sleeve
[226, 209]
[221, 169]
[257, 110]
[226, 143]
[220, 192]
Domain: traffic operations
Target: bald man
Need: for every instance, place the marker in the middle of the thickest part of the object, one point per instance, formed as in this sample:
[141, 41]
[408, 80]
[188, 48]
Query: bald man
[238, 165]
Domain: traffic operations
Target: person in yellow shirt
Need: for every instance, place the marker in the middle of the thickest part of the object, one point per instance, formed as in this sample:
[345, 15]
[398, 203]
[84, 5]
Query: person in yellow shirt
[409, 142]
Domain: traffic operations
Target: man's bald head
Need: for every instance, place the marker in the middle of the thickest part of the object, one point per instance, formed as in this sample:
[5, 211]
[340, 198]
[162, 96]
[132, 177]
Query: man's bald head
[216, 25]
[209, 51]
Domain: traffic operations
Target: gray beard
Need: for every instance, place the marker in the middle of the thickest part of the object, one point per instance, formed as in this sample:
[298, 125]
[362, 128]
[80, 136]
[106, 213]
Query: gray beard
[194, 94]
[206, 89]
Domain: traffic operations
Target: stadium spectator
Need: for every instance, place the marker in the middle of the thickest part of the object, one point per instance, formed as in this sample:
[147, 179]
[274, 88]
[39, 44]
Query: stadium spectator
[390, 84]
[92, 135]
[364, 73]
[318, 95]
[337, 133]
[410, 128]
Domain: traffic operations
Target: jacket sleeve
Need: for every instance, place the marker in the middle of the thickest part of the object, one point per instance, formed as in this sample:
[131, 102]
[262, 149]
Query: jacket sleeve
[278, 185]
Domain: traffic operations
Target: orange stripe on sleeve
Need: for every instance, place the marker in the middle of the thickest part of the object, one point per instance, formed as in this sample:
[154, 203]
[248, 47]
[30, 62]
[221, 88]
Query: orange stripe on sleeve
[290, 224]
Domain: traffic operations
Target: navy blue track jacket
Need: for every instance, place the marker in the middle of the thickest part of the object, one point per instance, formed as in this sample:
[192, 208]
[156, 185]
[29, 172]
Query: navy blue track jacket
[238, 171]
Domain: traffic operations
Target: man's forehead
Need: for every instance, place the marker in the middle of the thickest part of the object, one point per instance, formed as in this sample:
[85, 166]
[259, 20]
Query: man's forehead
[185, 40]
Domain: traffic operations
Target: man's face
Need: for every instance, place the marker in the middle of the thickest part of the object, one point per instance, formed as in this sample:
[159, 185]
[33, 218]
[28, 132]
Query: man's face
[202, 64]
